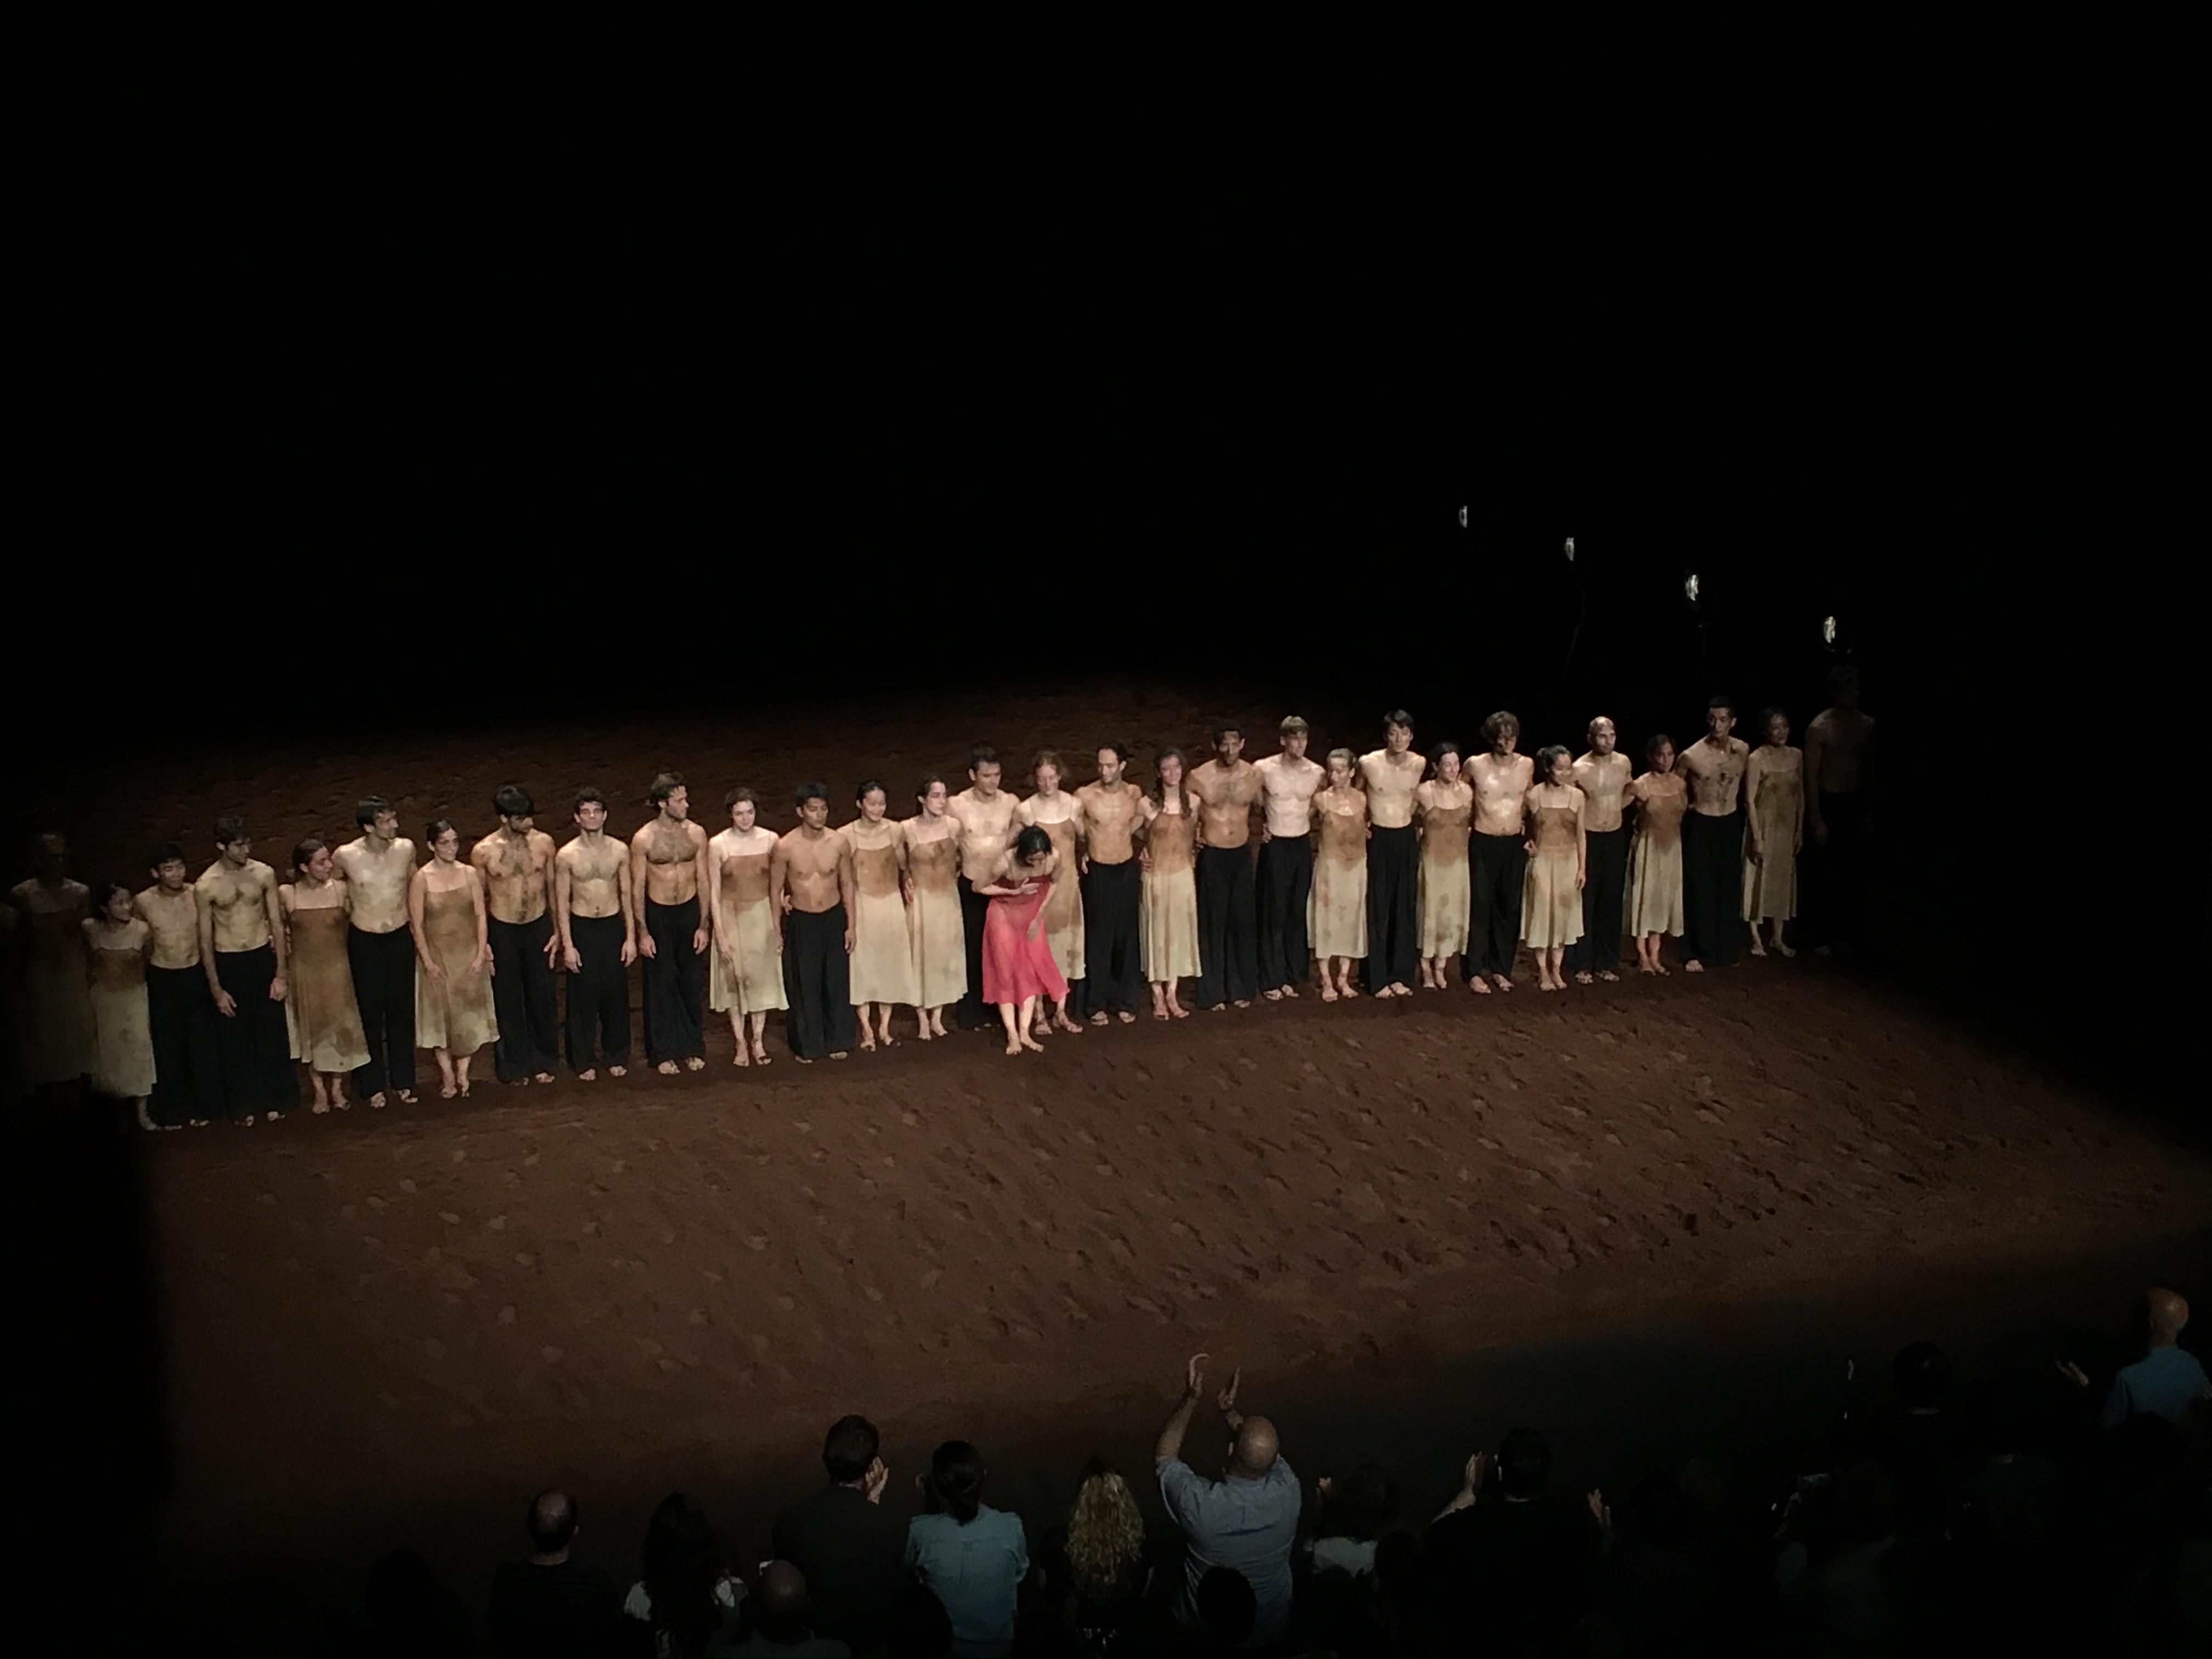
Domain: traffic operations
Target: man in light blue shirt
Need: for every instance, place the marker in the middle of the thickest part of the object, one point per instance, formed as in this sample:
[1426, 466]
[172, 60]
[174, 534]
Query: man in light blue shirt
[973, 1556]
[1247, 1521]
[2166, 1381]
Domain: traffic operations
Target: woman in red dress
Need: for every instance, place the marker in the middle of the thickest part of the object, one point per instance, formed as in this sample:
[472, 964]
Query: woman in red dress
[1017, 964]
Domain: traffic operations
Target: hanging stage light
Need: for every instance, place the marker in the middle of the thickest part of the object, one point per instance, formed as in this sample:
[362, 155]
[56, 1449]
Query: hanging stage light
[1690, 587]
[1570, 549]
[1462, 518]
[1828, 632]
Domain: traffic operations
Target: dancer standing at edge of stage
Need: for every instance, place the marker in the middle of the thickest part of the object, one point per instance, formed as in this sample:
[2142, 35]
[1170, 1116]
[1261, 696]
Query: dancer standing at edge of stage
[1226, 789]
[179, 1014]
[810, 882]
[516, 863]
[664, 861]
[744, 977]
[984, 814]
[881, 975]
[1712, 842]
[1839, 756]
[1774, 822]
[1497, 855]
[376, 866]
[1551, 894]
[1168, 915]
[1113, 892]
[1655, 880]
[1288, 783]
[936, 932]
[598, 919]
[243, 952]
[320, 1015]
[57, 1029]
[1391, 774]
[1602, 774]
[122, 1046]
[1020, 974]
[1056, 812]
[1443, 806]
[1336, 906]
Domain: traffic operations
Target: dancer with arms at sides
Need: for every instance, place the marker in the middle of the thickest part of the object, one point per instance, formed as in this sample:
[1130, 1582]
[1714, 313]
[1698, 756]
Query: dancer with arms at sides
[453, 1013]
[1712, 842]
[1551, 902]
[1655, 876]
[744, 977]
[937, 933]
[1391, 774]
[1060, 815]
[1169, 912]
[1288, 783]
[57, 1031]
[666, 863]
[1443, 808]
[1839, 754]
[811, 882]
[881, 975]
[1018, 972]
[320, 1015]
[182, 1019]
[1226, 789]
[592, 909]
[1113, 890]
[1498, 854]
[243, 951]
[516, 863]
[985, 816]
[1602, 775]
[376, 866]
[1774, 815]
[116, 943]
[1336, 910]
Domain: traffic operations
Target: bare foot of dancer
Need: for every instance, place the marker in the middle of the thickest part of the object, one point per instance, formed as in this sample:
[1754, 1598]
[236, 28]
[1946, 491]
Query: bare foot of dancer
[1757, 948]
[666, 1068]
[742, 1057]
[612, 1071]
[1099, 1019]
[867, 1042]
[760, 1051]
[1480, 986]
[1289, 990]
[1273, 993]
[1328, 993]
[1784, 950]
[589, 1075]
[1583, 976]
[1691, 968]
[1607, 976]
[1031, 1044]
[1014, 1045]
[543, 1076]
[1126, 1018]
[694, 1063]
[1060, 1022]
[448, 1090]
[839, 1053]
[246, 1122]
[1504, 983]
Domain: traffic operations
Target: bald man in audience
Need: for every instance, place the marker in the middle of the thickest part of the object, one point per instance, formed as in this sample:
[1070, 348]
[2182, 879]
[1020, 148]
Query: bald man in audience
[1246, 1521]
[1602, 774]
[2168, 1381]
[783, 1615]
[550, 1607]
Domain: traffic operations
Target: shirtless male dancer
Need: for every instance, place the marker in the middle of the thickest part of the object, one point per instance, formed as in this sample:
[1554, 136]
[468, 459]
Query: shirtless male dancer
[242, 950]
[1391, 774]
[1838, 815]
[1712, 842]
[1601, 774]
[1113, 886]
[1498, 854]
[377, 866]
[1226, 789]
[1288, 783]
[598, 922]
[809, 885]
[180, 1016]
[985, 816]
[516, 863]
[667, 859]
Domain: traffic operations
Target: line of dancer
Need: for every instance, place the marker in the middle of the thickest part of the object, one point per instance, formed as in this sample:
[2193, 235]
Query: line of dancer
[1029, 915]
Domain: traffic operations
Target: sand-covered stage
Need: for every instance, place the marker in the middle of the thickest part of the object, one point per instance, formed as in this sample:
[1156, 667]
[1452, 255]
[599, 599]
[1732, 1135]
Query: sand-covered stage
[391, 1327]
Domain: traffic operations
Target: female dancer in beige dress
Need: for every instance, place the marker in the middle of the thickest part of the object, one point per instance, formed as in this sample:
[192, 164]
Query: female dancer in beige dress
[745, 975]
[1336, 904]
[937, 936]
[1443, 808]
[1167, 914]
[1774, 808]
[1551, 894]
[453, 1014]
[1060, 817]
[116, 943]
[320, 1011]
[882, 966]
[1655, 864]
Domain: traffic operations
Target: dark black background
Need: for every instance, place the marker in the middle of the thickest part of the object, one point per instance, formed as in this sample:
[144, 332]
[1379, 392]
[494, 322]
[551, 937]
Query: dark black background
[445, 357]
